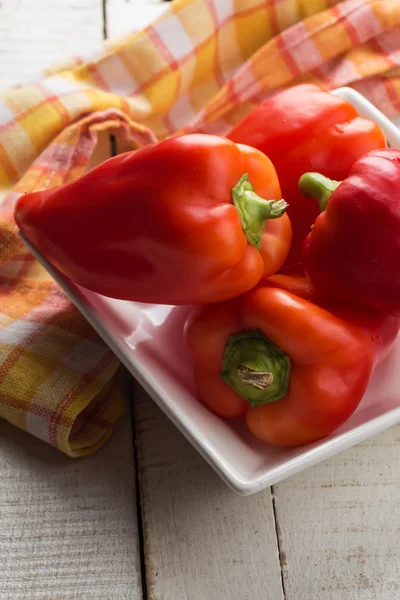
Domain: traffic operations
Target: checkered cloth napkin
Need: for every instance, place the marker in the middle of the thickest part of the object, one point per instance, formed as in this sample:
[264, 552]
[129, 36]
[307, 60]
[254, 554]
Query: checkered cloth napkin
[200, 67]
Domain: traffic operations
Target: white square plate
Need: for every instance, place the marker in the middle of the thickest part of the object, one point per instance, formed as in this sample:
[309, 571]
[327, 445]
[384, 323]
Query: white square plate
[148, 340]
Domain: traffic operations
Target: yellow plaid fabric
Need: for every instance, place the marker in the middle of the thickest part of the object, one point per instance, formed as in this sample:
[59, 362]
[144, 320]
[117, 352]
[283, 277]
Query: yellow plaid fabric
[200, 67]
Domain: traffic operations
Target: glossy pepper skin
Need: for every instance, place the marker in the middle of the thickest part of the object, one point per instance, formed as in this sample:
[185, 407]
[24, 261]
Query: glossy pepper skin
[304, 129]
[159, 225]
[382, 328]
[331, 360]
[353, 251]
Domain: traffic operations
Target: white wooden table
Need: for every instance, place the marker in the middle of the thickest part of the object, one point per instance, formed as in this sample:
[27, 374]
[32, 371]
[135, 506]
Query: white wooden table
[83, 529]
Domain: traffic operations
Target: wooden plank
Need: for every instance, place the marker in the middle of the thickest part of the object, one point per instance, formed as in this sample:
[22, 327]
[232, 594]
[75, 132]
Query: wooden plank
[125, 16]
[68, 527]
[201, 540]
[339, 526]
[34, 35]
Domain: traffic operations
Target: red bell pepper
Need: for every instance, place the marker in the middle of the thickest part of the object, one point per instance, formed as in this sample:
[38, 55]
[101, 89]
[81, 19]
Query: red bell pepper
[353, 251]
[296, 371]
[307, 129]
[178, 222]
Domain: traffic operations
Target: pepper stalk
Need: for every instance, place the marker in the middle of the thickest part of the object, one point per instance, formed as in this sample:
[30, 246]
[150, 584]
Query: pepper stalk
[319, 187]
[256, 368]
[255, 211]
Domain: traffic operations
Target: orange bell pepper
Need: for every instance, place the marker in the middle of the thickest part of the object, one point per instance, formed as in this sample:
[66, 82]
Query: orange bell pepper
[179, 222]
[383, 328]
[295, 370]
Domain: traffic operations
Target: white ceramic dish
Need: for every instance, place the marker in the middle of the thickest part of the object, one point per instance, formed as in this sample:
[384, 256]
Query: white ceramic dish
[148, 340]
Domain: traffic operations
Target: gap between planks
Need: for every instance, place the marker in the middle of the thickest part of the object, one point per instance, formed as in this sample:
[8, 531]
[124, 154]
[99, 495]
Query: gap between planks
[139, 515]
[105, 28]
[131, 398]
[281, 554]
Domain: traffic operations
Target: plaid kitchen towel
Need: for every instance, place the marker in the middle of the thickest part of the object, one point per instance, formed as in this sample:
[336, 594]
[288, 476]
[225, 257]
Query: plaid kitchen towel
[200, 67]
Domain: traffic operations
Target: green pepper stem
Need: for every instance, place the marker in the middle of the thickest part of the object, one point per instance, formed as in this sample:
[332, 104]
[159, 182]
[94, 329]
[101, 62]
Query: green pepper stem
[256, 368]
[254, 211]
[319, 187]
